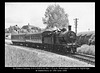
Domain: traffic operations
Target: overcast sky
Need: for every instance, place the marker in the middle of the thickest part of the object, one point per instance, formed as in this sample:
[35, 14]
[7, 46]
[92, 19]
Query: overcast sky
[24, 13]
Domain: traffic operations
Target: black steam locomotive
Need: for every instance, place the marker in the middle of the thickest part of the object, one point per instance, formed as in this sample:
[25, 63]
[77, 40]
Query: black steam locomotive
[55, 41]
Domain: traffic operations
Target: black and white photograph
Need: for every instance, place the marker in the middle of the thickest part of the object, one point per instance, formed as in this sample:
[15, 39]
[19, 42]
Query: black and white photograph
[49, 34]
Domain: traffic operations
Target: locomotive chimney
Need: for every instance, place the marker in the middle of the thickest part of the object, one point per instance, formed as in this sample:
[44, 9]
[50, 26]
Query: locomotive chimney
[69, 27]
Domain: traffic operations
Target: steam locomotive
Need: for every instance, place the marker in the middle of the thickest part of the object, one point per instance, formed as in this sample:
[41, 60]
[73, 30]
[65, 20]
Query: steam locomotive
[61, 41]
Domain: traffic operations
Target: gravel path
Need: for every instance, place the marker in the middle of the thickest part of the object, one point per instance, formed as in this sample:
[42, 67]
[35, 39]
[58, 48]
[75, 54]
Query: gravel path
[16, 56]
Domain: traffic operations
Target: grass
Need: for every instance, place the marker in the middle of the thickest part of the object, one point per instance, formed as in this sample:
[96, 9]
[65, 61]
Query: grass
[21, 57]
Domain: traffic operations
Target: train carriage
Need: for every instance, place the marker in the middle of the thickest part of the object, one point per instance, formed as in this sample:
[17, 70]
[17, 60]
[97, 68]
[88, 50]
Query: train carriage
[18, 38]
[33, 39]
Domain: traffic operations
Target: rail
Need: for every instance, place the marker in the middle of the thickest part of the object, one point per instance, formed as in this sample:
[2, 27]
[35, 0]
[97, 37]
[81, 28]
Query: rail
[84, 58]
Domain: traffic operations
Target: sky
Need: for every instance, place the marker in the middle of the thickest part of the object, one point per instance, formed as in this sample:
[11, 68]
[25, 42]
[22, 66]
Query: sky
[22, 13]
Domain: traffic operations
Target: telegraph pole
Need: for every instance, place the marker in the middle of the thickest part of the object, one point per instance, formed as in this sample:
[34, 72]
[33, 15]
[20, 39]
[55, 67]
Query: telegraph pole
[76, 24]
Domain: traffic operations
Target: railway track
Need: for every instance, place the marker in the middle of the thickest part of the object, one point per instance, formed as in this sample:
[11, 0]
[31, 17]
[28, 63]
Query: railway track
[82, 57]
[85, 58]
[85, 55]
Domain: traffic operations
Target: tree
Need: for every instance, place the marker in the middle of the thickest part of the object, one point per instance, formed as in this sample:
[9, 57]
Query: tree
[13, 29]
[6, 30]
[55, 16]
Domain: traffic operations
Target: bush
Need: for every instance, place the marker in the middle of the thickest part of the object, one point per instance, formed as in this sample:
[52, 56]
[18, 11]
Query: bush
[86, 49]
